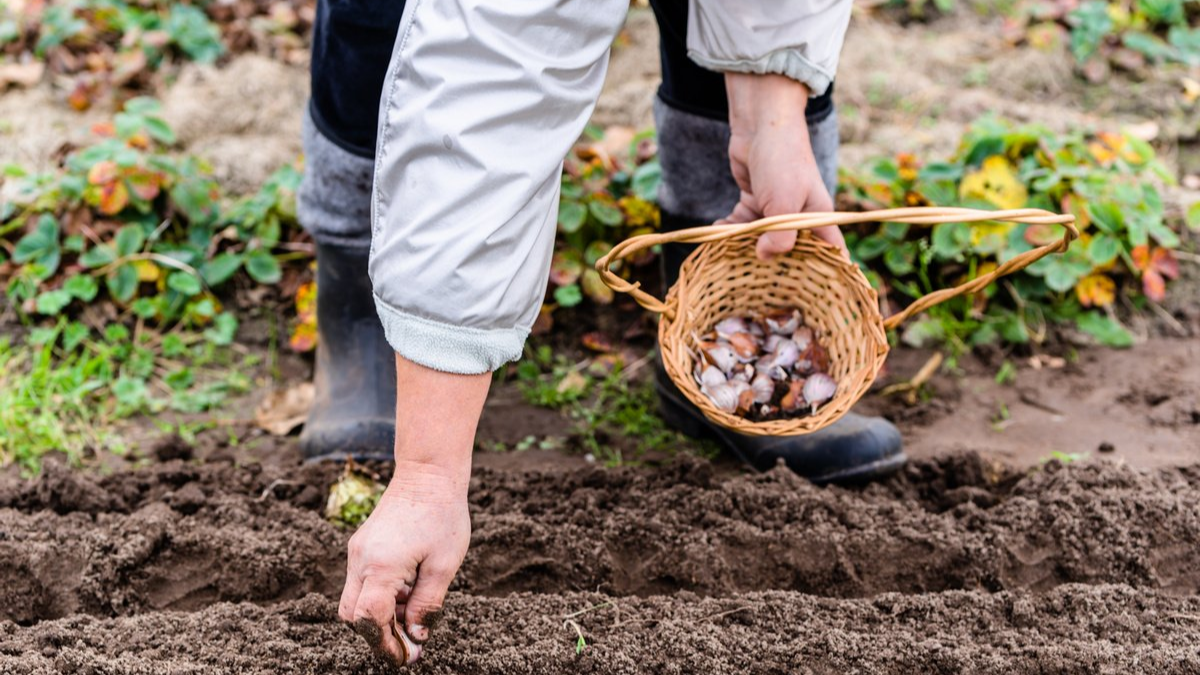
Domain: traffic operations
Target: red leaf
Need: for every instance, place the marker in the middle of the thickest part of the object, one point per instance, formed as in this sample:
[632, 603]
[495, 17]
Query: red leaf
[1154, 286]
[1163, 261]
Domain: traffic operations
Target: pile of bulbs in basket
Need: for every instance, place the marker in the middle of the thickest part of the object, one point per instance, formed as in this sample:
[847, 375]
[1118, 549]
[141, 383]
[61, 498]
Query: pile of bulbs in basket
[764, 367]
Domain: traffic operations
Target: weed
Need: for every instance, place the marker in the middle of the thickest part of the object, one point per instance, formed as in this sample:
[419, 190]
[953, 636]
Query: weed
[1064, 457]
[113, 263]
[611, 409]
[1007, 373]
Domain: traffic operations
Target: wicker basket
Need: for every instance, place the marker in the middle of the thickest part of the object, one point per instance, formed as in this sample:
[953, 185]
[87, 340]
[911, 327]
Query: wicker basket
[724, 276]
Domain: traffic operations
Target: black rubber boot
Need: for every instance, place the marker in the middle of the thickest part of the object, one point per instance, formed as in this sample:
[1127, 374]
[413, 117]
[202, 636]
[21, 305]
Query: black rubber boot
[354, 414]
[853, 449]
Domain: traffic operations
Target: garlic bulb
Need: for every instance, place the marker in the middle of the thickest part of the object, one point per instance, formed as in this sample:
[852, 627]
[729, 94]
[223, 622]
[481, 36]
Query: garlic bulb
[764, 366]
[711, 376]
[764, 388]
[722, 357]
[803, 337]
[786, 353]
[731, 326]
[723, 396]
[783, 322]
[744, 345]
[819, 388]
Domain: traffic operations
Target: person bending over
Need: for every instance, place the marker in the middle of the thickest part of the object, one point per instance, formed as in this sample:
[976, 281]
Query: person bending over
[434, 143]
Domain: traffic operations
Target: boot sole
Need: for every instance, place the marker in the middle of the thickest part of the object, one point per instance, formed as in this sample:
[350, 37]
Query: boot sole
[677, 415]
[363, 440]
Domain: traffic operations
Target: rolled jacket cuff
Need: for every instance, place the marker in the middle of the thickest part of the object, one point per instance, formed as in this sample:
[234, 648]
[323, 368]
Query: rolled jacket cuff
[450, 349]
[787, 62]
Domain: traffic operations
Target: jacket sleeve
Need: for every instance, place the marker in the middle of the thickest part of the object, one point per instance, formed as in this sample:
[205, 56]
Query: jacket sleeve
[797, 38]
[482, 102]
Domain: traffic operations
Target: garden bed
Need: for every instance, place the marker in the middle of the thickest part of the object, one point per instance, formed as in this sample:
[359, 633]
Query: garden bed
[956, 564]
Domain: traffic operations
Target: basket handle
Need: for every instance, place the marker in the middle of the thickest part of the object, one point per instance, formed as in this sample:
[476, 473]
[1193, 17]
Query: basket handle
[918, 215]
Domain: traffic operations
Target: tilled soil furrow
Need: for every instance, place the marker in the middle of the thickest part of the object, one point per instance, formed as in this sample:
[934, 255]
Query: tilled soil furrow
[941, 526]
[181, 537]
[1071, 629]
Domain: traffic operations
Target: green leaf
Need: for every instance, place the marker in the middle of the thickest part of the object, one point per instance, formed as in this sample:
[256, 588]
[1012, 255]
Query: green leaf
[173, 345]
[122, 282]
[1107, 216]
[940, 171]
[180, 379]
[923, 332]
[899, 260]
[568, 296]
[1106, 331]
[646, 179]
[160, 131]
[1104, 249]
[130, 392]
[1062, 276]
[74, 334]
[1151, 45]
[51, 303]
[223, 330]
[82, 286]
[950, 240]
[1193, 216]
[263, 267]
[41, 246]
[871, 247]
[606, 212]
[185, 283]
[142, 105]
[146, 308]
[129, 240]
[1090, 25]
[1164, 12]
[595, 251]
[98, 256]
[571, 215]
[116, 333]
[218, 270]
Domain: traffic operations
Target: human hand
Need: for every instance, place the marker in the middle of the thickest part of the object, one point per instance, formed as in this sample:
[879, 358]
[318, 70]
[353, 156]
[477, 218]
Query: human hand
[402, 560]
[772, 159]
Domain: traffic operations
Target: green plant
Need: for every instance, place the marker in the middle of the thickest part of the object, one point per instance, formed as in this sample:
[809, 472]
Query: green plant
[63, 387]
[127, 223]
[608, 194]
[1107, 180]
[103, 45]
[1128, 32]
[114, 263]
[611, 408]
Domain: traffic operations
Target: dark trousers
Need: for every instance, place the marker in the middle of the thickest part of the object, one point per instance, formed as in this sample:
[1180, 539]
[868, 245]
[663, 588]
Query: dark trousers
[352, 44]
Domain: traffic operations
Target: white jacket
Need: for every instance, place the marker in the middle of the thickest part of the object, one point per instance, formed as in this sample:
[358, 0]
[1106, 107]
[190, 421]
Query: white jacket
[481, 103]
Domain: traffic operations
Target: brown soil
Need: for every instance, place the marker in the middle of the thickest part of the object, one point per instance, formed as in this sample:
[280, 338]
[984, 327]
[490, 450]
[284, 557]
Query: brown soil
[956, 565]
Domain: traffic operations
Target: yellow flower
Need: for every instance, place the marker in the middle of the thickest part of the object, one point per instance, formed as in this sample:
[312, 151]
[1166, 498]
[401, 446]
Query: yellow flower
[996, 182]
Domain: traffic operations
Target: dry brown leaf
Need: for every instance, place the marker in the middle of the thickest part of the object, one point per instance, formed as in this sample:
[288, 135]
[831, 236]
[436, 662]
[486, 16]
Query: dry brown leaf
[283, 410]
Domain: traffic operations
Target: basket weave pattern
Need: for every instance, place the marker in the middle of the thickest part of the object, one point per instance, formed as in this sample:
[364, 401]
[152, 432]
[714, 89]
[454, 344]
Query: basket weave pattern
[724, 277]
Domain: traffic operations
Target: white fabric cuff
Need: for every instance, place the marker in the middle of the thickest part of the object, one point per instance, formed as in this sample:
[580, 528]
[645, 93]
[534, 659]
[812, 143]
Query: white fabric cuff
[450, 349]
[788, 62]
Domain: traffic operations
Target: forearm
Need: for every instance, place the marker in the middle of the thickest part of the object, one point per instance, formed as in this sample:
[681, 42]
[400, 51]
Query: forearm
[436, 417]
[764, 100]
